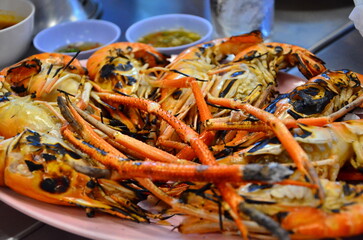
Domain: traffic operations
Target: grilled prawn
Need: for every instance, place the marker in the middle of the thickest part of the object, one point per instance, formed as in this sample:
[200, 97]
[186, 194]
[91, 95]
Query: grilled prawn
[42, 167]
[42, 74]
[329, 148]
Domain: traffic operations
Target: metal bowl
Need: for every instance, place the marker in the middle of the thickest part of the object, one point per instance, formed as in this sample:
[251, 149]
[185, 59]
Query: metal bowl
[52, 12]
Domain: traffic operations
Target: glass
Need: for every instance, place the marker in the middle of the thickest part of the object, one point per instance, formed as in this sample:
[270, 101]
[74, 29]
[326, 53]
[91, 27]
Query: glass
[234, 17]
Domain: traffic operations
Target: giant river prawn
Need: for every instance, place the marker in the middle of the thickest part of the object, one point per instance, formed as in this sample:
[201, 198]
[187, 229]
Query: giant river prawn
[207, 133]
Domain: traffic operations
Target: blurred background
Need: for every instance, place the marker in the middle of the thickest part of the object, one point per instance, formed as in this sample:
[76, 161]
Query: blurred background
[301, 22]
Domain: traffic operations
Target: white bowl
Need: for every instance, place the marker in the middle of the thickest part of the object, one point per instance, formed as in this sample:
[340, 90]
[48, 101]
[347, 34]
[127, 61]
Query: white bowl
[171, 21]
[15, 40]
[100, 31]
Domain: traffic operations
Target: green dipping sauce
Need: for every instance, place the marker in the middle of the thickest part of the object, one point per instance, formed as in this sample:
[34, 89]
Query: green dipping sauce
[79, 46]
[170, 38]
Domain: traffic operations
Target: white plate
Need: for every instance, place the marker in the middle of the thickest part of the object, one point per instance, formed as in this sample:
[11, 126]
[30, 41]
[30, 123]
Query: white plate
[101, 226]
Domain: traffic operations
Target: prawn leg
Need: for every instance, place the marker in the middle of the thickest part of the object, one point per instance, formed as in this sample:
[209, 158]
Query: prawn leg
[98, 148]
[299, 156]
[205, 156]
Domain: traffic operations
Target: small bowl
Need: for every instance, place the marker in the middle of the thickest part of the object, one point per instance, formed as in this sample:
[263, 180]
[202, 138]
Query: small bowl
[99, 31]
[15, 40]
[171, 21]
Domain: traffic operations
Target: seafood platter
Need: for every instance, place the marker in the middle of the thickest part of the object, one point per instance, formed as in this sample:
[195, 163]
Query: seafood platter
[206, 144]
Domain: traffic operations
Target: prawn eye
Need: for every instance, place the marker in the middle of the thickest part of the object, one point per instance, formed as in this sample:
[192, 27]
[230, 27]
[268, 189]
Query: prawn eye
[91, 184]
[55, 185]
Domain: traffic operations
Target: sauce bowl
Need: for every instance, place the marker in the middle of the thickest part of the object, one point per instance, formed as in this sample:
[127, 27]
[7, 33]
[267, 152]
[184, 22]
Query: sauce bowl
[167, 22]
[95, 31]
[15, 40]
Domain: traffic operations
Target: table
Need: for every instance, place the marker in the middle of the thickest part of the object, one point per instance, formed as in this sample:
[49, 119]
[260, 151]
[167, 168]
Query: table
[321, 26]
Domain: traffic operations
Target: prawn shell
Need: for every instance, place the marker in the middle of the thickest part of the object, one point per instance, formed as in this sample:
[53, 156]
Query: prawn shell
[99, 58]
[30, 75]
[21, 113]
[53, 58]
[313, 223]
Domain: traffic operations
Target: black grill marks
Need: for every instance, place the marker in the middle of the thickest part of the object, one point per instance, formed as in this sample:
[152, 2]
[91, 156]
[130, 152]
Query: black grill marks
[293, 114]
[131, 80]
[33, 166]
[269, 173]
[347, 190]
[227, 89]
[261, 144]
[354, 79]
[177, 93]
[107, 71]
[304, 133]
[25, 69]
[238, 73]
[110, 71]
[102, 152]
[48, 157]
[34, 139]
[124, 67]
[19, 89]
[52, 182]
[61, 150]
[254, 187]
[250, 56]
[4, 97]
[271, 108]
[118, 85]
[310, 99]
[22, 72]
[313, 97]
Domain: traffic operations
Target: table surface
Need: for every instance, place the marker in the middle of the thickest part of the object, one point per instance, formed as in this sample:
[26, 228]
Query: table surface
[321, 27]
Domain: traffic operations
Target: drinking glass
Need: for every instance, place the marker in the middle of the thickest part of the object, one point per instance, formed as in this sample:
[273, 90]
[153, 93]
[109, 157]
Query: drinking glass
[234, 17]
